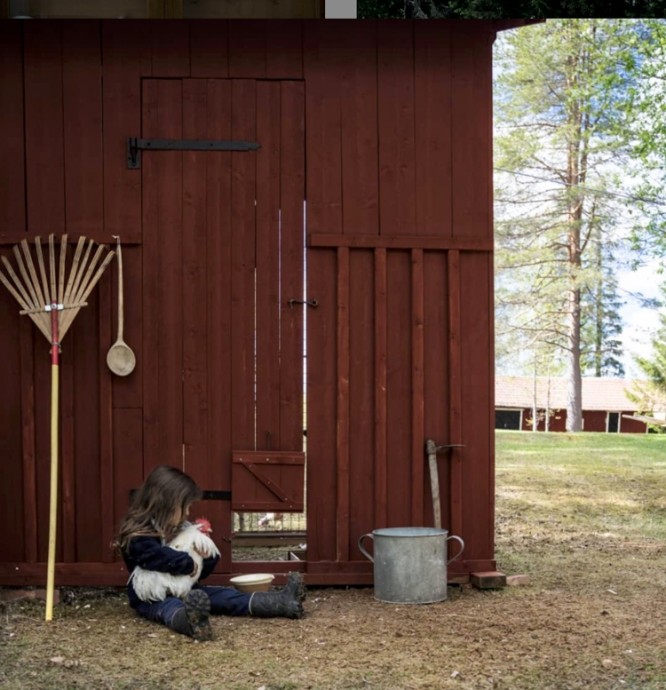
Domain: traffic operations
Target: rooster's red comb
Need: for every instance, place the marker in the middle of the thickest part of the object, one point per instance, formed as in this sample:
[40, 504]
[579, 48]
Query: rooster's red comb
[204, 525]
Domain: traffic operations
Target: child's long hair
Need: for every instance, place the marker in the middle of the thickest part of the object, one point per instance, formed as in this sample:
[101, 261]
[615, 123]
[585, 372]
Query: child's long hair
[165, 490]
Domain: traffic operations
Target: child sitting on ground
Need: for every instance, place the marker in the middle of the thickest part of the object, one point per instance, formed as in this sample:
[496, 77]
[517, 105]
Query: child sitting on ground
[157, 512]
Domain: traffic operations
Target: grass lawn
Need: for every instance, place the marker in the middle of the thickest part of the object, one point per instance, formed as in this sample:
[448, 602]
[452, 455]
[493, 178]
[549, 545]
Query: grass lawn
[559, 494]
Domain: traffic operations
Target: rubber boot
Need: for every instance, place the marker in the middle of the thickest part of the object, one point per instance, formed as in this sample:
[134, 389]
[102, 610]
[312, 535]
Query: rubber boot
[193, 618]
[284, 603]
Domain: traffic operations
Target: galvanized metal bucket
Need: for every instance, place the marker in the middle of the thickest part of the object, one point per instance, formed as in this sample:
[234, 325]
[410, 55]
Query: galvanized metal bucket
[410, 563]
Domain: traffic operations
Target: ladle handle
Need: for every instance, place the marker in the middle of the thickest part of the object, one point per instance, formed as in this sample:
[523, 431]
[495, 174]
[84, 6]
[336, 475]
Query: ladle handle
[121, 305]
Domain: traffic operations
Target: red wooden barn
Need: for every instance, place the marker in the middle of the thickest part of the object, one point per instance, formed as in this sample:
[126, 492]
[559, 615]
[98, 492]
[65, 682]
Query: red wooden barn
[363, 187]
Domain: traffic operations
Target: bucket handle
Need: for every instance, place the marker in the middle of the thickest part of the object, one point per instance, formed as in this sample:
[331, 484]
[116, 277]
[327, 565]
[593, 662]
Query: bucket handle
[362, 550]
[372, 536]
[460, 552]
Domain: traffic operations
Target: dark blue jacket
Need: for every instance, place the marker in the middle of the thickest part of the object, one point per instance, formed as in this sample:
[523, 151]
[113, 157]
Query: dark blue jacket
[151, 554]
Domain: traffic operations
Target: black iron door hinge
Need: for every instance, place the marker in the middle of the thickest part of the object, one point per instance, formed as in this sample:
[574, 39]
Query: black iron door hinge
[135, 146]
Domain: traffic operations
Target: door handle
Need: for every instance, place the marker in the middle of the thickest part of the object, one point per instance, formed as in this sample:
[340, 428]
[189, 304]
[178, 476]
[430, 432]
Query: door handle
[314, 303]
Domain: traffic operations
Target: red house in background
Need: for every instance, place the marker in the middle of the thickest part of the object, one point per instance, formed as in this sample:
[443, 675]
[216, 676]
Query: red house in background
[360, 217]
[606, 405]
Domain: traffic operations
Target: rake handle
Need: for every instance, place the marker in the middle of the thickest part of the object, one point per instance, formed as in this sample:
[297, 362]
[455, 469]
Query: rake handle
[53, 506]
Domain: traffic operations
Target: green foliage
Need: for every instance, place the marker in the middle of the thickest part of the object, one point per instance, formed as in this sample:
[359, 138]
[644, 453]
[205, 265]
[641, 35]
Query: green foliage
[601, 323]
[508, 9]
[380, 9]
[645, 107]
[651, 394]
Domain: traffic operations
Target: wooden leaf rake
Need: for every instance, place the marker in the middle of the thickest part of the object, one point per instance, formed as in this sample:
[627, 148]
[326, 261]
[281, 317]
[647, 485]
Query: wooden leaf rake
[52, 301]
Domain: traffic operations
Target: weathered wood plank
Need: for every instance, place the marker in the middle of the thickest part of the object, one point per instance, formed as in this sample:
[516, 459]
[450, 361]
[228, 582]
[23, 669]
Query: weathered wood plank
[268, 240]
[477, 404]
[343, 412]
[361, 396]
[124, 54]
[82, 118]
[45, 170]
[321, 407]
[418, 386]
[399, 386]
[27, 336]
[162, 336]
[455, 392]
[219, 318]
[169, 255]
[432, 93]
[436, 370]
[381, 390]
[292, 195]
[243, 180]
[284, 51]
[81, 433]
[99, 372]
[209, 49]
[397, 167]
[170, 46]
[471, 120]
[358, 106]
[13, 421]
[247, 49]
[323, 133]
[12, 143]
[127, 468]
[195, 288]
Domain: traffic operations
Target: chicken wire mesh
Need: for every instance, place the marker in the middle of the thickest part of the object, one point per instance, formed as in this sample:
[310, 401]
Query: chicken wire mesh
[268, 522]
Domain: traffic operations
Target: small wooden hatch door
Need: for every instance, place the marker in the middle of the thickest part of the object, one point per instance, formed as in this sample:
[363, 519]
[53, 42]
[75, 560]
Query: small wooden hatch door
[267, 481]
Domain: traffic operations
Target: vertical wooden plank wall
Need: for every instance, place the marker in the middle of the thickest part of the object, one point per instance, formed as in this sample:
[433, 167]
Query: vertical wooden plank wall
[396, 135]
[18, 504]
[395, 233]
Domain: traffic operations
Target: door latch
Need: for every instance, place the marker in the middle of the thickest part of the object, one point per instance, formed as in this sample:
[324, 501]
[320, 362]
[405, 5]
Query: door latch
[314, 303]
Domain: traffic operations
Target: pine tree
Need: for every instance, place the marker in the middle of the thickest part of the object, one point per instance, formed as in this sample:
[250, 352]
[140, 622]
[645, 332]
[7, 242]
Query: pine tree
[601, 322]
[560, 130]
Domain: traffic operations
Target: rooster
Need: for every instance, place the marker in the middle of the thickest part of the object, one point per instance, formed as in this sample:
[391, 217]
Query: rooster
[194, 539]
[269, 518]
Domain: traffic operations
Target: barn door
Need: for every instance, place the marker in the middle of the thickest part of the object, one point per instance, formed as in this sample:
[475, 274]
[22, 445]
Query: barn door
[222, 274]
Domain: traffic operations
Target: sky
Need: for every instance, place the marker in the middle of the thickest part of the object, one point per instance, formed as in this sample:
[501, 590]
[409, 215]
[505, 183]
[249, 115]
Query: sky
[640, 324]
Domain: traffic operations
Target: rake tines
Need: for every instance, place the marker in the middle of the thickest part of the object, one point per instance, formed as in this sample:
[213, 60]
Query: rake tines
[38, 294]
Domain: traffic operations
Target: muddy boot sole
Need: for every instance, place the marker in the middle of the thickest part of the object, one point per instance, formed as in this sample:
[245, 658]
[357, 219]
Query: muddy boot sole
[296, 586]
[197, 608]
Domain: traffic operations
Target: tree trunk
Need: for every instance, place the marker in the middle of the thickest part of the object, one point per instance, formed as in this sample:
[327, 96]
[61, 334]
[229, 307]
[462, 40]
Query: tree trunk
[576, 172]
[574, 384]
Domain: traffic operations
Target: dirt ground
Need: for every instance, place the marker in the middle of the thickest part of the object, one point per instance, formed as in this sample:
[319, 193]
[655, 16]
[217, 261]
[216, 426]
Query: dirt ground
[592, 617]
[521, 637]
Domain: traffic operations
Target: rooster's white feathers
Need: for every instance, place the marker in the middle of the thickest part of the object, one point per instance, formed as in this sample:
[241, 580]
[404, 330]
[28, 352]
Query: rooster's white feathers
[151, 585]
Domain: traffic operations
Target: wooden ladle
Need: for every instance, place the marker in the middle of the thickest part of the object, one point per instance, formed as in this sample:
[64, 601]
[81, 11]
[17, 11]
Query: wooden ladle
[120, 357]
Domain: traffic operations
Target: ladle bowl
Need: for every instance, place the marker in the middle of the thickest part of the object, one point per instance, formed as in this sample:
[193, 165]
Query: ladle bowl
[120, 358]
